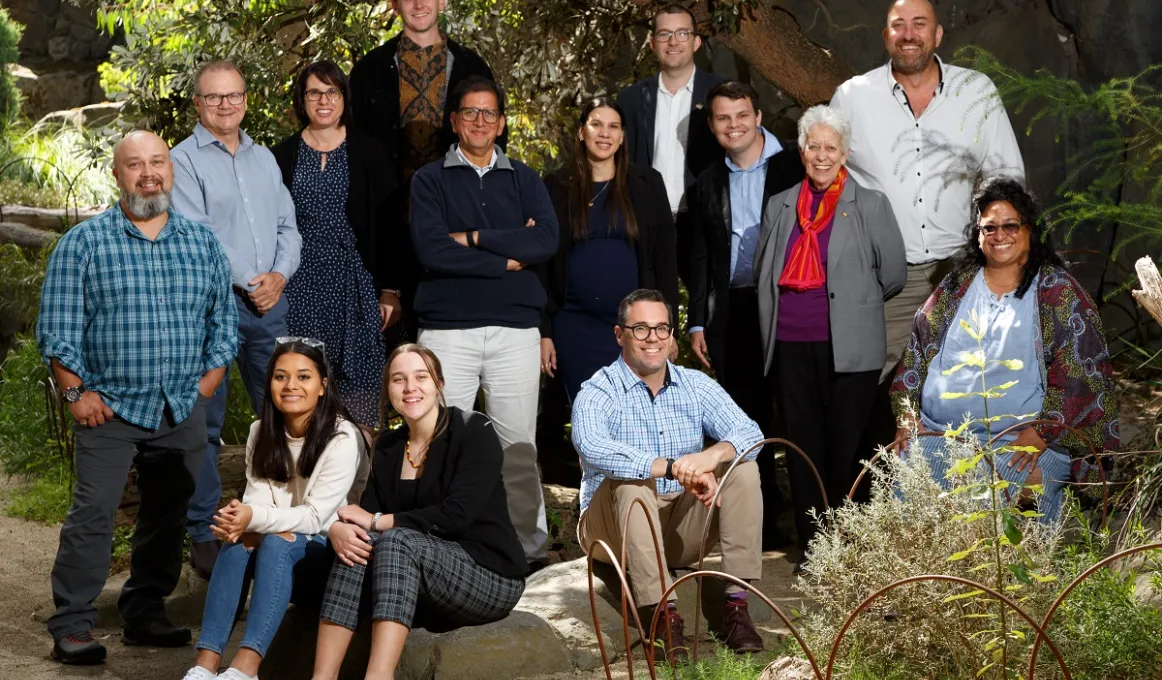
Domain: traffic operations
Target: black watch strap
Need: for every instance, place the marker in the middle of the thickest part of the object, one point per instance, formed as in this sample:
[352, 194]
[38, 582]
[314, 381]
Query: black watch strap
[471, 237]
[73, 394]
[670, 468]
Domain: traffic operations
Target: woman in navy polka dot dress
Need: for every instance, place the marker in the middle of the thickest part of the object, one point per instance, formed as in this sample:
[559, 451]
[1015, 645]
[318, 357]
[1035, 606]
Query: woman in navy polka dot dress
[338, 178]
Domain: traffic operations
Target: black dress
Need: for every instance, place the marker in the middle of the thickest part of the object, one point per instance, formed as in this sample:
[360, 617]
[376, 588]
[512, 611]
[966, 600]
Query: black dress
[332, 295]
[603, 269]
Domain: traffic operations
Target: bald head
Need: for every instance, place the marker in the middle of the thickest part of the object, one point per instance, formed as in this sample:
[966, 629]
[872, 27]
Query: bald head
[912, 36]
[144, 174]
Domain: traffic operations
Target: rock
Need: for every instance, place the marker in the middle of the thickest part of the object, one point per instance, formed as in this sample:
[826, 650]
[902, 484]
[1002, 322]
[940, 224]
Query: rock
[26, 236]
[788, 668]
[52, 86]
[91, 116]
[49, 219]
[184, 606]
[519, 645]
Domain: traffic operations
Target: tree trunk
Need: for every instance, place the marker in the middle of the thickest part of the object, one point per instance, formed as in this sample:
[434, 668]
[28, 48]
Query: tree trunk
[770, 40]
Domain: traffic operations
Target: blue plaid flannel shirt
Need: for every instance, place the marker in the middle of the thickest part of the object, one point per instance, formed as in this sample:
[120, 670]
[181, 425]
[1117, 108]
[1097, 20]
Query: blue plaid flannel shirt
[619, 429]
[139, 321]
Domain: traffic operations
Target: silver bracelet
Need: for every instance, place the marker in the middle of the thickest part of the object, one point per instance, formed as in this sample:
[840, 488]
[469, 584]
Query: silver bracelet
[375, 520]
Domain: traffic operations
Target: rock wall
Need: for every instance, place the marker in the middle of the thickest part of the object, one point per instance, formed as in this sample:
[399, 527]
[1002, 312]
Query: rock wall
[59, 54]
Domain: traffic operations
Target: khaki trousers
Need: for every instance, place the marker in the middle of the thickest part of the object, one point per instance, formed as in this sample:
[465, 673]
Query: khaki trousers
[900, 311]
[679, 519]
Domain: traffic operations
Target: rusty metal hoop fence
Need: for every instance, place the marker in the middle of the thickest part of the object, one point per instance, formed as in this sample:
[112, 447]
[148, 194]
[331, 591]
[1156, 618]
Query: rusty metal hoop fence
[629, 606]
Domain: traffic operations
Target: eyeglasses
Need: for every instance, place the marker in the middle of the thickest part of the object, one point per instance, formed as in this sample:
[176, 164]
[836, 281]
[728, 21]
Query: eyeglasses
[216, 99]
[309, 342]
[682, 34]
[1011, 228]
[642, 332]
[331, 94]
[470, 113]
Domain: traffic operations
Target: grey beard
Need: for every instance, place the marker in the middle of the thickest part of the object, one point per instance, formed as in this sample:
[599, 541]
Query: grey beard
[147, 207]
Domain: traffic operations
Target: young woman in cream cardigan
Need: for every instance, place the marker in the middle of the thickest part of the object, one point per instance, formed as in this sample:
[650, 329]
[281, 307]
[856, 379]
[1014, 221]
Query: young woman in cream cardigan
[304, 459]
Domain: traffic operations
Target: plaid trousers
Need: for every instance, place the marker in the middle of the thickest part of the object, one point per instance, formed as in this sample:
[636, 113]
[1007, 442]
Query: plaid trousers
[416, 574]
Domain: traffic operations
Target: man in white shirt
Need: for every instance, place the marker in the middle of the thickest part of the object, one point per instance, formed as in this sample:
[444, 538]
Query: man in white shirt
[666, 116]
[922, 132]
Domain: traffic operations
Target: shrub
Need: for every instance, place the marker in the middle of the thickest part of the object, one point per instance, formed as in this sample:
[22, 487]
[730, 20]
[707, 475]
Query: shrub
[26, 446]
[10, 32]
[46, 500]
[71, 162]
[21, 276]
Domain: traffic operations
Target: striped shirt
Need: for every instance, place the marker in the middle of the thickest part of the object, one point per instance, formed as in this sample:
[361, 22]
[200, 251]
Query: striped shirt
[619, 428]
[139, 321]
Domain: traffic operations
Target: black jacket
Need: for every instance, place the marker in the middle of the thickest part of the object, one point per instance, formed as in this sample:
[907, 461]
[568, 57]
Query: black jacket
[639, 102]
[708, 202]
[657, 260]
[371, 179]
[375, 94]
[461, 494]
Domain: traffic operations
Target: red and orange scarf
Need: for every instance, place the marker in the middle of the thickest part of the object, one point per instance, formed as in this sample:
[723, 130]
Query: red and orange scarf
[804, 269]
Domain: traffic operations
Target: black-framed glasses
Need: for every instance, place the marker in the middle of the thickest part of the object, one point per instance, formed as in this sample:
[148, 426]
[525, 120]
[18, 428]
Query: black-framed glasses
[309, 342]
[1011, 228]
[682, 34]
[330, 93]
[216, 99]
[642, 332]
[470, 113]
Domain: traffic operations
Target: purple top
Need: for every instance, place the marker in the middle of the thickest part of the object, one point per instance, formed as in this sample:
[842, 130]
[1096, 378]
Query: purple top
[805, 317]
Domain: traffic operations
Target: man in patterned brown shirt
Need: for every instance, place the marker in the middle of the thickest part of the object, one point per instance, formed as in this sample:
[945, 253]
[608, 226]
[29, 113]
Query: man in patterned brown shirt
[399, 95]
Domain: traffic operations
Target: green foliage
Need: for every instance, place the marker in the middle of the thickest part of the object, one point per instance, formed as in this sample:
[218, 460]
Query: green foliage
[10, 32]
[21, 275]
[26, 447]
[270, 40]
[239, 412]
[1115, 176]
[723, 665]
[15, 192]
[46, 500]
[57, 161]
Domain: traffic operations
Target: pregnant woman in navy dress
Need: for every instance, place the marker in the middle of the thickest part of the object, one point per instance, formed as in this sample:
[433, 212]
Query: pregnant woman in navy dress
[617, 235]
[338, 178]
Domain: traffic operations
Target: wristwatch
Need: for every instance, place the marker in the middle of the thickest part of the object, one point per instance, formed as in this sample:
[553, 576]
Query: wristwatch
[73, 394]
[670, 469]
[375, 520]
[389, 290]
[471, 238]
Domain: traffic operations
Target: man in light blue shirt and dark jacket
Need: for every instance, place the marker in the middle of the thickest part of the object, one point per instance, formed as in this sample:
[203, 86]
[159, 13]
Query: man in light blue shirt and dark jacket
[222, 179]
[726, 210]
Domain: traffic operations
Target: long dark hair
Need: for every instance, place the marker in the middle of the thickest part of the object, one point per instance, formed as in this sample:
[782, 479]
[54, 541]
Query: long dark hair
[387, 411]
[1041, 249]
[330, 73]
[582, 179]
[271, 458]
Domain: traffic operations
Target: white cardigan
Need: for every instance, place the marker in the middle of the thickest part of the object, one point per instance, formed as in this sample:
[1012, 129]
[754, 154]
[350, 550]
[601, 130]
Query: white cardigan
[308, 506]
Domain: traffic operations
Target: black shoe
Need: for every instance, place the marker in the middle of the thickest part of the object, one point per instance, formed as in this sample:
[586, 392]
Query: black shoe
[158, 633]
[203, 555]
[535, 566]
[79, 649]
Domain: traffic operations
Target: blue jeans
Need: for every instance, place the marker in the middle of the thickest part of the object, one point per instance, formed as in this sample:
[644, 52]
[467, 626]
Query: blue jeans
[275, 567]
[256, 334]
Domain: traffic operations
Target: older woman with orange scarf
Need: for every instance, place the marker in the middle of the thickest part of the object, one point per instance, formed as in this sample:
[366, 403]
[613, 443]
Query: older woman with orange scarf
[829, 254]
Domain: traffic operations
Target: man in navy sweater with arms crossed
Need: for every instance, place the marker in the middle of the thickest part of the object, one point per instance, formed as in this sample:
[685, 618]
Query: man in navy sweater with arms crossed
[479, 220]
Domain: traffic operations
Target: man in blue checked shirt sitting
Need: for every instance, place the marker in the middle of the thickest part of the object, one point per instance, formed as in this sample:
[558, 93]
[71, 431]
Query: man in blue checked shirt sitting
[640, 426]
[138, 324]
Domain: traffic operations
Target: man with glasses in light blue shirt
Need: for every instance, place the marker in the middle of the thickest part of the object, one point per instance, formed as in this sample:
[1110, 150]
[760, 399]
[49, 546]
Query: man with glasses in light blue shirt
[222, 179]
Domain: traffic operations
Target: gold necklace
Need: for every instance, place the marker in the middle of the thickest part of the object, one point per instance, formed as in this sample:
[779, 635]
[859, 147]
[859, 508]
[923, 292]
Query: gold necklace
[407, 452]
[984, 272]
[607, 183]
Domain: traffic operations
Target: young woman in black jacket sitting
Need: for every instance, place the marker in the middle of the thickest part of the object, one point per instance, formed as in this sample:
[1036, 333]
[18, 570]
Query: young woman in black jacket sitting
[432, 531]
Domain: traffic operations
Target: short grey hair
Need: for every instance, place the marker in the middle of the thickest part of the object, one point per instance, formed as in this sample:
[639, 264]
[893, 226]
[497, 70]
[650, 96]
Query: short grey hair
[825, 115]
[216, 65]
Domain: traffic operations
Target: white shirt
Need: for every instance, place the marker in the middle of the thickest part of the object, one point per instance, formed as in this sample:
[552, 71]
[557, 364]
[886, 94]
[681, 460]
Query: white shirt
[671, 128]
[308, 506]
[926, 166]
[479, 171]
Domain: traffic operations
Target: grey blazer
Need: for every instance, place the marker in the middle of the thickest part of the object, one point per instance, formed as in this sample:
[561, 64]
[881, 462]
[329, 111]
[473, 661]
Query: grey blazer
[866, 265]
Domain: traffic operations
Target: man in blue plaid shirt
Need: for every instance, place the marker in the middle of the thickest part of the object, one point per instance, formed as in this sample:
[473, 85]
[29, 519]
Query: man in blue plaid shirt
[138, 324]
[640, 426]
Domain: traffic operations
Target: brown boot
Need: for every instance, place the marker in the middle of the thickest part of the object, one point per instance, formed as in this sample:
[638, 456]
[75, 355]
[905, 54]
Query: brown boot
[670, 627]
[738, 628]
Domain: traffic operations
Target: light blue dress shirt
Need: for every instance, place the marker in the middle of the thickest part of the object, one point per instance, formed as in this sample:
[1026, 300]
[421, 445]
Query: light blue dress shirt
[746, 211]
[242, 199]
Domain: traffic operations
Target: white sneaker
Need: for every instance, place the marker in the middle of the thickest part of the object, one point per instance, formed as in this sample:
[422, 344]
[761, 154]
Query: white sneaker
[199, 673]
[235, 674]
